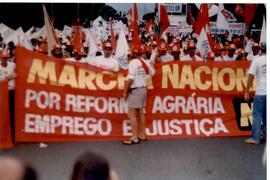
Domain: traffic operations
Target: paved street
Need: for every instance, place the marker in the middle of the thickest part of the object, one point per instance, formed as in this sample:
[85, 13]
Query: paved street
[171, 159]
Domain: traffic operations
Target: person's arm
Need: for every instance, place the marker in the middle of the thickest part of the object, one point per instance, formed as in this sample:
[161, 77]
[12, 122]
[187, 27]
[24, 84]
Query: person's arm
[127, 87]
[13, 75]
[251, 74]
[249, 84]
[151, 68]
[130, 78]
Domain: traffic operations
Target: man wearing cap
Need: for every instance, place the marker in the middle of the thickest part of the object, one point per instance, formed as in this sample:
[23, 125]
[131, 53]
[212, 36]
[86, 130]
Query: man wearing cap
[78, 54]
[57, 51]
[153, 51]
[183, 50]
[144, 52]
[255, 52]
[258, 69]
[106, 62]
[8, 73]
[219, 48]
[176, 52]
[135, 92]
[163, 55]
[230, 56]
[191, 56]
[210, 56]
[43, 48]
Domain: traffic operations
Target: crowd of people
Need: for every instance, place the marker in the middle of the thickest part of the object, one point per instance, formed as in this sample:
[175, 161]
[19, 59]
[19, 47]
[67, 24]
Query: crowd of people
[170, 47]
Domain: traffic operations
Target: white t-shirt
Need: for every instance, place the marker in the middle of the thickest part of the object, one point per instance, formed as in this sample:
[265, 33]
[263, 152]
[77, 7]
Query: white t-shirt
[72, 59]
[258, 68]
[7, 71]
[218, 58]
[166, 58]
[228, 58]
[189, 58]
[250, 56]
[137, 73]
[110, 63]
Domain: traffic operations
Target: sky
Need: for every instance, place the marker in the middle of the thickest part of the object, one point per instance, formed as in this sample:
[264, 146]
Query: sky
[142, 8]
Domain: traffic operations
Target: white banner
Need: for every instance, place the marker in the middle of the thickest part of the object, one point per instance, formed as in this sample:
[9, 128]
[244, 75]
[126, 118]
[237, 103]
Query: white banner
[236, 28]
[181, 28]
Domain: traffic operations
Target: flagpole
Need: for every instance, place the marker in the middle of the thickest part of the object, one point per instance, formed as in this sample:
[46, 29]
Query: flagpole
[244, 40]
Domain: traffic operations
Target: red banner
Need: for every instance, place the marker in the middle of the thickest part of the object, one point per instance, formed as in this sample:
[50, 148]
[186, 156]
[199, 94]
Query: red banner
[63, 101]
[5, 129]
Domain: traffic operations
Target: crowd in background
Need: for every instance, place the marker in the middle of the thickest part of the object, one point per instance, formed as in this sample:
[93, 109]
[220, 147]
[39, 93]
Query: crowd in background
[180, 47]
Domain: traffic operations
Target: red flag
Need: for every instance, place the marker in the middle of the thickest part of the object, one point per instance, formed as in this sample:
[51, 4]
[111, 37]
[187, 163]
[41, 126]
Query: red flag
[113, 41]
[250, 10]
[247, 12]
[77, 38]
[135, 36]
[164, 19]
[202, 19]
[135, 17]
[129, 17]
[191, 19]
[148, 25]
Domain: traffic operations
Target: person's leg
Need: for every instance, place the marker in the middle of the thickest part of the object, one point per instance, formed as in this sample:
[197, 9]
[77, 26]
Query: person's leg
[264, 119]
[132, 113]
[141, 130]
[258, 107]
[141, 124]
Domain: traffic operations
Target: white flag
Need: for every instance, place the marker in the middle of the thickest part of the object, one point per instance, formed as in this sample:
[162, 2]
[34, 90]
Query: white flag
[222, 22]
[122, 50]
[203, 43]
[7, 32]
[20, 34]
[12, 37]
[27, 44]
[29, 32]
[67, 31]
[52, 41]
[2, 26]
[263, 32]
[92, 45]
[212, 10]
[38, 33]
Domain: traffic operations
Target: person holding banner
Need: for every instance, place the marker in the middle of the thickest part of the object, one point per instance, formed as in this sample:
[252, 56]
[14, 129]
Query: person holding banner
[258, 69]
[135, 92]
[106, 62]
[191, 56]
[254, 53]
[8, 73]
[230, 56]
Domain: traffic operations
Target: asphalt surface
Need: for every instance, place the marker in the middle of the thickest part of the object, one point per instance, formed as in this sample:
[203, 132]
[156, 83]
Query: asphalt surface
[171, 159]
